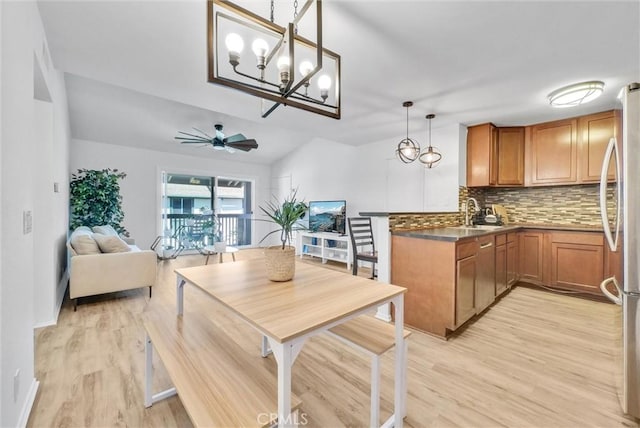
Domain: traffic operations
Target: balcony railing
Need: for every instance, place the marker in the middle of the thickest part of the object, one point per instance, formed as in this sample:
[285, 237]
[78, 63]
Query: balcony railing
[195, 231]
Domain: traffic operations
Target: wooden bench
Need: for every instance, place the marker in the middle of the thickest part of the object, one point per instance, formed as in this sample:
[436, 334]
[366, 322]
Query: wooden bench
[219, 384]
[374, 337]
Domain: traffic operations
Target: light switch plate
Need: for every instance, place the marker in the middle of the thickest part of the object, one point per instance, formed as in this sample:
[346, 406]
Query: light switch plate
[27, 222]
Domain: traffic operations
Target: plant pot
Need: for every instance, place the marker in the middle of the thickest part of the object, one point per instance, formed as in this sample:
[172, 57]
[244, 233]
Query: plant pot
[280, 264]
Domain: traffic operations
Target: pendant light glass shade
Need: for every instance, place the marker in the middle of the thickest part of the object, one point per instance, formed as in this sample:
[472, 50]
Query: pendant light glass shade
[576, 94]
[430, 157]
[408, 150]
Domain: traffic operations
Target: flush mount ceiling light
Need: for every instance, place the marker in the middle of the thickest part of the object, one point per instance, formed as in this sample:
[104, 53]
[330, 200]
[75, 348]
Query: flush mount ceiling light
[430, 157]
[408, 150]
[576, 94]
[289, 69]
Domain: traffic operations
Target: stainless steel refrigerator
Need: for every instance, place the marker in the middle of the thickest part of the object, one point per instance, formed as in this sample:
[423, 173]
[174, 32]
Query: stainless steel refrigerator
[620, 206]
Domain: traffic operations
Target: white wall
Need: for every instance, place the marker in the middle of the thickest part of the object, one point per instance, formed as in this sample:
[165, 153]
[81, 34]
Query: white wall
[140, 189]
[372, 179]
[23, 42]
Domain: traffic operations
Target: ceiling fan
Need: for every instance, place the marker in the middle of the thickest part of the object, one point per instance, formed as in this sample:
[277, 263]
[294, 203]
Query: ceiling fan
[219, 141]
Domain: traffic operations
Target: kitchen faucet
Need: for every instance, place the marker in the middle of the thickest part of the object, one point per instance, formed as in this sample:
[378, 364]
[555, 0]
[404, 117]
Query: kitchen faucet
[467, 219]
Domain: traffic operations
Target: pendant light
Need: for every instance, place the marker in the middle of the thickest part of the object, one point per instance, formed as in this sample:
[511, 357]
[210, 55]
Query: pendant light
[431, 156]
[408, 150]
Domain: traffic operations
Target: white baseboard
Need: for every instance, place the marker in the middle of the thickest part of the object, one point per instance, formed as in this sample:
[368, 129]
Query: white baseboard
[61, 289]
[28, 404]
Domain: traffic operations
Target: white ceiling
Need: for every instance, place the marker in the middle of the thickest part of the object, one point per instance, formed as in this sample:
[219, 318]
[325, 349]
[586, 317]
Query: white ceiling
[137, 70]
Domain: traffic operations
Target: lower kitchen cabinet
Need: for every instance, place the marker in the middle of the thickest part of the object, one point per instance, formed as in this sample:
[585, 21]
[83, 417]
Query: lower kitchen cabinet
[501, 274]
[512, 259]
[577, 261]
[447, 282]
[531, 255]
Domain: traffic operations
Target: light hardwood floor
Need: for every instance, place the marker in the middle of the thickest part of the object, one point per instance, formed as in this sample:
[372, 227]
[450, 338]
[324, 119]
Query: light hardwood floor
[535, 359]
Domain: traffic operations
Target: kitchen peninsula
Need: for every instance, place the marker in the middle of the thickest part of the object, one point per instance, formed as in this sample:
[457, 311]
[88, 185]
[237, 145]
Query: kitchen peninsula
[454, 273]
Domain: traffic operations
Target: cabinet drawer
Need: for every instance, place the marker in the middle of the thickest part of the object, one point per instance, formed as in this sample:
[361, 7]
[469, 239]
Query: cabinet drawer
[586, 238]
[501, 239]
[486, 241]
[512, 236]
[466, 249]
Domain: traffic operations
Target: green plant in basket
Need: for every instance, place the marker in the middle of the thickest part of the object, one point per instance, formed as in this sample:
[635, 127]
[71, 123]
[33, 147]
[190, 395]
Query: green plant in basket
[286, 215]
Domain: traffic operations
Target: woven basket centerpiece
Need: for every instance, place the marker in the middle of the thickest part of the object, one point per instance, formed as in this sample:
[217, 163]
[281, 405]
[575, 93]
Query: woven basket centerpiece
[280, 264]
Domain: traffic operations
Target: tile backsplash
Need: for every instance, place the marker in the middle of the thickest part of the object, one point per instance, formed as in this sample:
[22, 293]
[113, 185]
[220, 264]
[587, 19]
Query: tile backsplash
[558, 205]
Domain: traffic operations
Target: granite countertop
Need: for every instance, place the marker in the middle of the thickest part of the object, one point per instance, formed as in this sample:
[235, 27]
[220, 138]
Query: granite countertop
[456, 233]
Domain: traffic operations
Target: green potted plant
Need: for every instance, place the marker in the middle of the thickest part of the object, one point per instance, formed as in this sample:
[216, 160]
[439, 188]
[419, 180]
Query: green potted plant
[280, 259]
[95, 199]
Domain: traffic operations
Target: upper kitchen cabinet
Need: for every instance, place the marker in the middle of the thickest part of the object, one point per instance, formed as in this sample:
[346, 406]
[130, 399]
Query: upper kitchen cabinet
[594, 133]
[482, 155]
[553, 153]
[511, 156]
[495, 156]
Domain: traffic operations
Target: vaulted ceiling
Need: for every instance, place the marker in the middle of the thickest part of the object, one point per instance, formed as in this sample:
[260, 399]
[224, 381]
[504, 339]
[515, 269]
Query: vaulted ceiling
[136, 71]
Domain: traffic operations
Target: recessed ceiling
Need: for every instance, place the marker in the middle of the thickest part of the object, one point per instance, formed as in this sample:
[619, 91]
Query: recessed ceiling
[467, 62]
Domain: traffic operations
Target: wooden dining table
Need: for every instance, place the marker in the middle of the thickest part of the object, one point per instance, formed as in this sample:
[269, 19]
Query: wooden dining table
[288, 313]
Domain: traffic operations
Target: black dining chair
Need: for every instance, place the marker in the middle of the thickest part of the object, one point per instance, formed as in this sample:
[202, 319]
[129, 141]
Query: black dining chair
[363, 247]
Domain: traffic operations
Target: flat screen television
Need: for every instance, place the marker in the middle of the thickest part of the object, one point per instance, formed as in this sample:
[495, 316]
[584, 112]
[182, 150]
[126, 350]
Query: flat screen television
[328, 216]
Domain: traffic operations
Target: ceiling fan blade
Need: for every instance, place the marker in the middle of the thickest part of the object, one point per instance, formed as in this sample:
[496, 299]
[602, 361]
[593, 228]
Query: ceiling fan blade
[204, 143]
[194, 135]
[191, 139]
[203, 133]
[244, 145]
[234, 138]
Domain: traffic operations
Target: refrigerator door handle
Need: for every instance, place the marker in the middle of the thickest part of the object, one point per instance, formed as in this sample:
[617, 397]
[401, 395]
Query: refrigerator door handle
[612, 150]
[603, 287]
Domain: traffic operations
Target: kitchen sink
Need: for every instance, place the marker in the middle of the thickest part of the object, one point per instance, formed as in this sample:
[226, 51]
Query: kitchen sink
[479, 227]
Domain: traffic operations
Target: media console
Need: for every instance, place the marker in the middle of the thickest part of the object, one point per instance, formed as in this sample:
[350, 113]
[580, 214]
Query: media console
[324, 245]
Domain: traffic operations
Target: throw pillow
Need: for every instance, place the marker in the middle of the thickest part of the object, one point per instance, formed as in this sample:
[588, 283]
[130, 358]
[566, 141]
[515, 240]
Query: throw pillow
[105, 230]
[82, 242]
[111, 244]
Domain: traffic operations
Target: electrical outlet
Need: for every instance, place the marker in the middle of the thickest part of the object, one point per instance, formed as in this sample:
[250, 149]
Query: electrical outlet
[56, 187]
[464, 207]
[16, 385]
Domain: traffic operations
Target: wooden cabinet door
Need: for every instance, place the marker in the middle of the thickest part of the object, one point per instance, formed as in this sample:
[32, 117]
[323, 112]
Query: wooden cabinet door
[465, 289]
[485, 274]
[554, 153]
[510, 153]
[512, 261]
[594, 132]
[481, 151]
[501, 269]
[577, 261]
[531, 255]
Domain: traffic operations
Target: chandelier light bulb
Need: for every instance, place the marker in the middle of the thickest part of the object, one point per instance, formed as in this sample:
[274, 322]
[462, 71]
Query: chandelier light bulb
[283, 66]
[234, 44]
[305, 68]
[324, 83]
[259, 47]
[431, 156]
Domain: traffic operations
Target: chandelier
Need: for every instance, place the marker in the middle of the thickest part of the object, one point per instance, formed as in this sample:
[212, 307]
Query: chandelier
[430, 157]
[408, 149]
[282, 67]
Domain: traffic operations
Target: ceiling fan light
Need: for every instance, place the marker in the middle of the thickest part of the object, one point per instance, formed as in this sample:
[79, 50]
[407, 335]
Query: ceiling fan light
[576, 94]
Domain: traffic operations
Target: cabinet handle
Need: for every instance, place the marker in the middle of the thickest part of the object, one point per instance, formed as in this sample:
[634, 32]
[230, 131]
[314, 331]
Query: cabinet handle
[487, 245]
